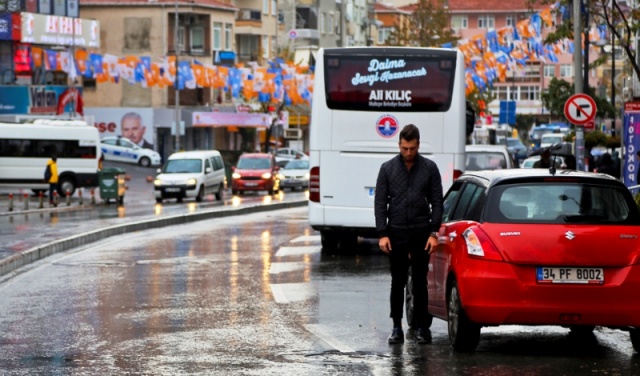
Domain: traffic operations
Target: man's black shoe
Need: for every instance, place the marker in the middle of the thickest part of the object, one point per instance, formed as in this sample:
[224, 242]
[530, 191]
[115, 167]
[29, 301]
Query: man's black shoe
[423, 336]
[397, 336]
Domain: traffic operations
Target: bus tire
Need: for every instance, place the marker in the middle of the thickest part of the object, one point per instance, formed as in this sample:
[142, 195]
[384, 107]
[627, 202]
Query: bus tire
[65, 184]
[329, 240]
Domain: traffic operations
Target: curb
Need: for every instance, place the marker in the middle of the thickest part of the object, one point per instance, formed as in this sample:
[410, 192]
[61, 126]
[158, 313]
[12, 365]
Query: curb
[23, 258]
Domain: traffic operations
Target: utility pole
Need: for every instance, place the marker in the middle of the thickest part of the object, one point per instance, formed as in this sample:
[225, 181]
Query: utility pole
[177, 89]
[577, 77]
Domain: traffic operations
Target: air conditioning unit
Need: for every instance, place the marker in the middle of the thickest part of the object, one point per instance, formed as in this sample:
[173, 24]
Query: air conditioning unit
[293, 133]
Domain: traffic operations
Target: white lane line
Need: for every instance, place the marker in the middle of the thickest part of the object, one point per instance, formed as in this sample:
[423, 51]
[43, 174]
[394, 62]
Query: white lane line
[283, 267]
[295, 251]
[330, 340]
[310, 238]
[292, 292]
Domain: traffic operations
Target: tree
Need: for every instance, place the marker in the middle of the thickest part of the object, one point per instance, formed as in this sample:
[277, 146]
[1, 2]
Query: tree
[427, 26]
[559, 92]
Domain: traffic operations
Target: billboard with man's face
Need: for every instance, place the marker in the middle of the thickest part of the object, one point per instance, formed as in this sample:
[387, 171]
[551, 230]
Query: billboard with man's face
[133, 123]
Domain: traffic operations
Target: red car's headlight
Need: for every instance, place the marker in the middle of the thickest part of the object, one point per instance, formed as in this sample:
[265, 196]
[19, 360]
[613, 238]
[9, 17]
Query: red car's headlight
[479, 244]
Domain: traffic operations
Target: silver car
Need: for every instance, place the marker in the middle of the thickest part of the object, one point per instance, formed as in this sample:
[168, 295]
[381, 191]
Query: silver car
[295, 174]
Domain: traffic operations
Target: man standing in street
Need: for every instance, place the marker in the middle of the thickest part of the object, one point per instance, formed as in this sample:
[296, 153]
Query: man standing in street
[408, 209]
[134, 130]
[51, 177]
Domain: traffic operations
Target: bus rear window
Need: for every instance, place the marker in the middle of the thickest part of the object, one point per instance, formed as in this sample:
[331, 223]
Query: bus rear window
[399, 83]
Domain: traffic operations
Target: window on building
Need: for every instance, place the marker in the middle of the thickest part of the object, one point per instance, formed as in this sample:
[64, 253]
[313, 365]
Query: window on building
[228, 32]
[511, 20]
[383, 34]
[338, 22]
[501, 93]
[323, 28]
[181, 43]
[274, 43]
[330, 23]
[529, 93]
[217, 36]
[549, 70]
[265, 6]
[486, 22]
[265, 46]
[459, 22]
[513, 93]
[274, 7]
[197, 39]
[566, 70]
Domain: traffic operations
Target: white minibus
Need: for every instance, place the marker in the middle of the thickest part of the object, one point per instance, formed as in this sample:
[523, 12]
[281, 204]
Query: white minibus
[25, 149]
[362, 98]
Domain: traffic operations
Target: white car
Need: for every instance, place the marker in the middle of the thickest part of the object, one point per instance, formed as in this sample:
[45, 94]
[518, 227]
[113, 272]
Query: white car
[528, 163]
[285, 154]
[122, 149]
[487, 157]
[295, 174]
[191, 174]
[549, 139]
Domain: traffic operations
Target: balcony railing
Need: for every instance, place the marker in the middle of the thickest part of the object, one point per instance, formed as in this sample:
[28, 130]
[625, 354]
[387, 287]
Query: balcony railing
[249, 15]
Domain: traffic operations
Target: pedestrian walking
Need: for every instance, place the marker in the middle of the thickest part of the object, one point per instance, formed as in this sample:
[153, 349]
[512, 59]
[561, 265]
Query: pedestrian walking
[51, 176]
[408, 210]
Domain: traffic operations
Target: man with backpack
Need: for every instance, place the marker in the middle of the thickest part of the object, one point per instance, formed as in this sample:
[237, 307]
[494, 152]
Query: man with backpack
[51, 177]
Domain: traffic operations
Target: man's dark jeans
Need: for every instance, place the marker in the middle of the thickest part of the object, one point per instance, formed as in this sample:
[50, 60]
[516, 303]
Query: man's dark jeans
[405, 242]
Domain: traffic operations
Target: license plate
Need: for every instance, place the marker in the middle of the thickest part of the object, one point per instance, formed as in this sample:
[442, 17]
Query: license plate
[172, 189]
[591, 276]
[251, 184]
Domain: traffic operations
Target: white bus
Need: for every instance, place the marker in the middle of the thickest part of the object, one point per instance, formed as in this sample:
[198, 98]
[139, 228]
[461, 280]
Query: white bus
[25, 149]
[362, 98]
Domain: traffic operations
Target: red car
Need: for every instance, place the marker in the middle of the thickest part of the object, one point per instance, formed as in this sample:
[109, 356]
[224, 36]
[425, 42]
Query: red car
[535, 247]
[255, 172]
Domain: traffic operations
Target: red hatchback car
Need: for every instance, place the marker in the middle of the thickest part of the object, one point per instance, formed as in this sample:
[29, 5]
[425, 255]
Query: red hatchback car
[535, 247]
[255, 172]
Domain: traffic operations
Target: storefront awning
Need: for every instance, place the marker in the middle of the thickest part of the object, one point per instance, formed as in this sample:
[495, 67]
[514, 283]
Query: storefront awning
[305, 57]
[230, 119]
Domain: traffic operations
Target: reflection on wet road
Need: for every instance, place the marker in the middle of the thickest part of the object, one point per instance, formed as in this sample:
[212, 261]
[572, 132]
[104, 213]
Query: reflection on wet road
[250, 295]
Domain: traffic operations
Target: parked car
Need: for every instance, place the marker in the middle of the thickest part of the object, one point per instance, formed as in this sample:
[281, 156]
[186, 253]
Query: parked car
[191, 174]
[295, 174]
[289, 154]
[255, 172]
[528, 247]
[120, 149]
[487, 157]
[518, 149]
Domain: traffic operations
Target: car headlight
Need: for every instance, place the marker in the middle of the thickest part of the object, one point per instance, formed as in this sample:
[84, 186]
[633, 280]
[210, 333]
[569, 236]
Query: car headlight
[306, 176]
[266, 175]
[236, 175]
[157, 182]
[192, 181]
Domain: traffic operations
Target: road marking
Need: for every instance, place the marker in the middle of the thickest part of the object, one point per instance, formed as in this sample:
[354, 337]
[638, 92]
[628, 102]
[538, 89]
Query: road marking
[283, 267]
[292, 292]
[310, 239]
[329, 339]
[301, 250]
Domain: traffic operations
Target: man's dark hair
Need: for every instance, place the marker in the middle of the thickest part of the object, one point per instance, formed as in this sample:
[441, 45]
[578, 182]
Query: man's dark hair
[409, 133]
[54, 157]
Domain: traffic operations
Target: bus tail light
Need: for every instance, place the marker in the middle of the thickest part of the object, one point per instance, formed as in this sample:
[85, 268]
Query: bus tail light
[456, 174]
[314, 184]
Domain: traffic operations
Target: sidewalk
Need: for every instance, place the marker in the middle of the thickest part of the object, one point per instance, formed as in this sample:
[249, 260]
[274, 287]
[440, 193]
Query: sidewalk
[96, 230]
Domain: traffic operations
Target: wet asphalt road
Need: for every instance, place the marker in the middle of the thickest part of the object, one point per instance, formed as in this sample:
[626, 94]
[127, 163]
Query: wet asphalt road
[250, 295]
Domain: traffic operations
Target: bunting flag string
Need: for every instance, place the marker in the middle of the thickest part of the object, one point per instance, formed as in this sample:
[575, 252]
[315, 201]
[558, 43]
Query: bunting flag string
[488, 58]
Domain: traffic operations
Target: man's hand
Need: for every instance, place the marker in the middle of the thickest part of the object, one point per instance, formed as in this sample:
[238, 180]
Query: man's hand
[432, 242]
[385, 244]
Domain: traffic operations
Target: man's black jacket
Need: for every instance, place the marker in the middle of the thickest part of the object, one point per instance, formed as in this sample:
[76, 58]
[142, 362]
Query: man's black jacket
[408, 198]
